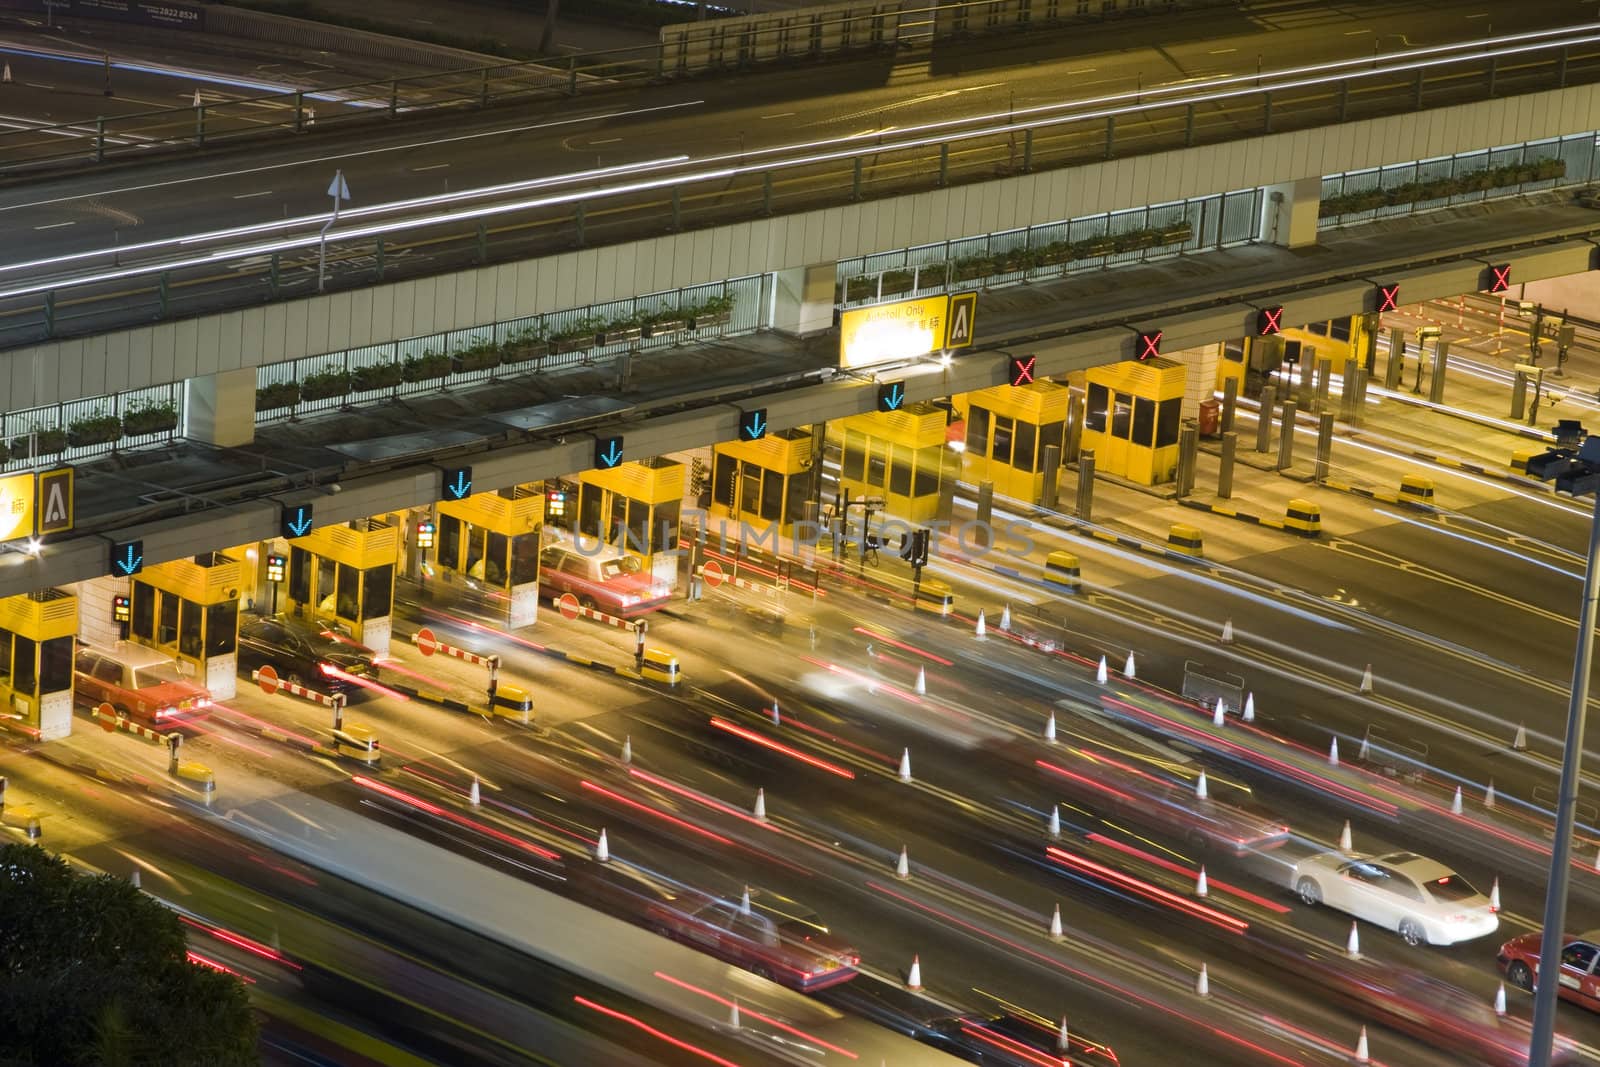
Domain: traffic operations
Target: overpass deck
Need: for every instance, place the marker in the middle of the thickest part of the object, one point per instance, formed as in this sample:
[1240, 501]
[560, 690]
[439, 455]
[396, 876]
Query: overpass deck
[196, 497]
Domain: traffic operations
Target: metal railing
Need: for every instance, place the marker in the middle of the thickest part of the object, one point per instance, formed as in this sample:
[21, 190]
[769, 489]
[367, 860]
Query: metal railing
[108, 288]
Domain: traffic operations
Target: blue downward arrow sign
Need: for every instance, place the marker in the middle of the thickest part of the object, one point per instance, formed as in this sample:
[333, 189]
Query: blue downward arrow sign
[612, 456]
[894, 397]
[756, 426]
[131, 564]
[461, 487]
[301, 523]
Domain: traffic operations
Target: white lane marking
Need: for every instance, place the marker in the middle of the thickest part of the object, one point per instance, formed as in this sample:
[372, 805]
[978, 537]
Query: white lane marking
[780, 115]
[38, 85]
[431, 166]
[1355, 33]
[55, 225]
[338, 156]
[608, 140]
[250, 196]
[1221, 51]
[1083, 70]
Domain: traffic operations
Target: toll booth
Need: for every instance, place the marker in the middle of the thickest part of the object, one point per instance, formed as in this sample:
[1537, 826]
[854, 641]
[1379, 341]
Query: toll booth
[1008, 429]
[1132, 418]
[493, 539]
[902, 456]
[764, 484]
[636, 506]
[189, 609]
[36, 649]
[346, 573]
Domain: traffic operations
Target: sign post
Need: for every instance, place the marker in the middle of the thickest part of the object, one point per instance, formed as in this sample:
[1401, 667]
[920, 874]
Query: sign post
[339, 189]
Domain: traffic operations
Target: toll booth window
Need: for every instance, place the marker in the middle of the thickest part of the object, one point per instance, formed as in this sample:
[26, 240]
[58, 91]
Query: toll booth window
[853, 461]
[1144, 421]
[1233, 351]
[876, 463]
[1051, 433]
[900, 471]
[664, 534]
[168, 632]
[749, 487]
[1121, 416]
[449, 541]
[1339, 329]
[616, 524]
[1001, 450]
[299, 577]
[190, 640]
[55, 665]
[222, 628]
[772, 496]
[1167, 420]
[925, 480]
[1022, 452]
[379, 589]
[1094, 417]
[796, 493]
[978, 431]
[23, 670]
[638, 525]
[348, 592]
[5, 656]
[494, 567]
[723, 479]
[524, 561]
[1318, 328]
[143, 620]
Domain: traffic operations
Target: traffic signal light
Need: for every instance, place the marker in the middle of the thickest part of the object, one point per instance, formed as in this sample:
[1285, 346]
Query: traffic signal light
[891, 396]
[914, 547]
[555, 504]
[275, 567]
[457, 483]
[1019, 369]
[1149, 345]
[121, 609]
[425, 533]
[1269, 321]
[1386, 297]
[1499, 277]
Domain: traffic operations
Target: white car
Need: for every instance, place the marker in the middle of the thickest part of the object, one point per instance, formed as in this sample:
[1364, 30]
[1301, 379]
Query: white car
[1423, 900]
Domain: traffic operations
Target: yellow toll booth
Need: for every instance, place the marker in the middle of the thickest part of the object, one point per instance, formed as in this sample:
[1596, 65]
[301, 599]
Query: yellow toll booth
[1132, 418]
[636, 506]
[36, 636]
[1008, 429]
[189, 609]
[763, 484]
[1248, 361]
[346, 573]
[901, 456]
[494, 539]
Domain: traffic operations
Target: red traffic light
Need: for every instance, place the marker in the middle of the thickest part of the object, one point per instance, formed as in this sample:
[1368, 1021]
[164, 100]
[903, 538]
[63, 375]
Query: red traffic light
[1269, 321]
[1499, 277]
[1149, 345]
[1020, 369]
[1387, 297]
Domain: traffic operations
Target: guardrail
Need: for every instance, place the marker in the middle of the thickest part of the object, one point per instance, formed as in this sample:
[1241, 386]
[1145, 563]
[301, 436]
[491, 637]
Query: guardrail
[103, 289]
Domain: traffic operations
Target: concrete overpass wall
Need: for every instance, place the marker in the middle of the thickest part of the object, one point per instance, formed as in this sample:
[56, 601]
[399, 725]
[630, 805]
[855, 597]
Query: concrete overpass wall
[171, 351]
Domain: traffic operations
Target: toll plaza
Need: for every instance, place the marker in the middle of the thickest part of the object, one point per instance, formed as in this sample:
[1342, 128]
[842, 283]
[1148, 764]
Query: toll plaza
[189, 609]
[346, 573]
[37, 631]
[902, 456]
[764, 483]
[1132, 418]
[636, 506]
[493, 540]
[1008, 429]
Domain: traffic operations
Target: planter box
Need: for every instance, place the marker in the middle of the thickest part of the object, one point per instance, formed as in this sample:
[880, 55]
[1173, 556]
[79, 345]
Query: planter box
[140, 423]
[1175, 235]
[710, 319]
[1101, 248]
[897, 281]
[666, 328]
[620, 335]
[524, 351]
[426, 369]
[376, 376]
[325, 386]
[470, 361]
[562, 345]
[860, 288]
[99, 431]
[281, 395]
[46, 443]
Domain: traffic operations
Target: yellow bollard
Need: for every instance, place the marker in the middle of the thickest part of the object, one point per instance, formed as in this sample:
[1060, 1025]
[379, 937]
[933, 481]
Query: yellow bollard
[1303, 517]
[1185, 540]
[660, 667]
[1416, 487]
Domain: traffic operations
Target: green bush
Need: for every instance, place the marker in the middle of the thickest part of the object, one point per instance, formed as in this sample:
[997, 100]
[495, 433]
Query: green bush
[427, 367]
[49, 442]
[377, 376]
[326, 384]
[277, 395]
[150, 417]
[101, 428]
[1476, 181]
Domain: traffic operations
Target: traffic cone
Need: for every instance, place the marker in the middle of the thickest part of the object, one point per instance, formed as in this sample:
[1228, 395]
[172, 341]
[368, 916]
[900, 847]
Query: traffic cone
[1500, 1000]
[1249, 707]
[1362, 1056]
[1366, 680]
[1488, 795]
[602, 851]
[1200, 887]
[1345, 844]
[1219, 716]
[1005, 619]
[1494, 896]
[982, 629]
[1127, 668]
[744, 902]
[1063, 1042]
[1361, 753]
[1352, 945]
[197, 101]
[761, 805]
[777, 719]
[1455, 807]
[6, 77]
[133, 878]
[1227, 631]
[1050, 728]
[1200, 792]
[627, 749]
[733, 1015]
[905, 765]
[1100, 673]
[1055, 820]
[1202, 984]
[902, 868]
[922, 680]
[474, 795]
[1597, 863]
[1056, 933]
[311, 115]
[914, 978]
[1520, 742]
[1333, 753]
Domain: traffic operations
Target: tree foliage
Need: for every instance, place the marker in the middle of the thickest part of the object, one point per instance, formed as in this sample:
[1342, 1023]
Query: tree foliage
[94, 972]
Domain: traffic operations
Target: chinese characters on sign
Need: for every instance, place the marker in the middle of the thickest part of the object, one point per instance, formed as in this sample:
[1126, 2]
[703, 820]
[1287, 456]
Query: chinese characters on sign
[887, 333]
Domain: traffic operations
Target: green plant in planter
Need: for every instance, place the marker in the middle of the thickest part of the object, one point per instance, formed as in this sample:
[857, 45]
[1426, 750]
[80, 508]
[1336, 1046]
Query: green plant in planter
[1175, 233]
[5, 453]
[481, 354]
[326, 384]
[714, 311]
[663, 322]
[46, 442]
[860, 287]
[150, 417]
[1016, 259]
[1546, 169]
[277, 395]
[98, 429]
[385, 375]
[427, 367]
[897, 281]
[974, 267]
[527, 343]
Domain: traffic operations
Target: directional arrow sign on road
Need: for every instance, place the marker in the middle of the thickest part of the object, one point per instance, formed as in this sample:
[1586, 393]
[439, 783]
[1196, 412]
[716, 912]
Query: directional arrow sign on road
[607, 452]
[295, 521]
[457, 483]
[753, 424]
[891, 396]
[127, 558]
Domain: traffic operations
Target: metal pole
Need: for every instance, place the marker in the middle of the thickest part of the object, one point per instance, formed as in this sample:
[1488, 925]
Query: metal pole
[1286, 436]
[108, 74]
[1086, 484]
[1230, 448]
[1555, 900]
[1188, 126]
[1027, 151]
[1441, 361]
[944, 165]
[1324, 447]
[1269, 401]
[855, 181]
[1049, 492]
[1230, 403]
[1188, 449]
[1111, 135]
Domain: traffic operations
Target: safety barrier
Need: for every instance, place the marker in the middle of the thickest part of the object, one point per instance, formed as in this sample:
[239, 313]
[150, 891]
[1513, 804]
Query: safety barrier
[1185, 540]
[1418, 498]
[502, 701]
[1300, 516]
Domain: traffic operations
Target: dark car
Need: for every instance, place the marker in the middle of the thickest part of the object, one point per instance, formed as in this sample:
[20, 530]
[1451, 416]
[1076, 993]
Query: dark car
[775, 937]
[305, 654]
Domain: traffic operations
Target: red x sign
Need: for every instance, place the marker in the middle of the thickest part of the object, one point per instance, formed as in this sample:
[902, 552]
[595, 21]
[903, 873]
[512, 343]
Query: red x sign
[1149, 345]
[1389, 297]
[1269, 321]
[1021, 368]
[1500, 277]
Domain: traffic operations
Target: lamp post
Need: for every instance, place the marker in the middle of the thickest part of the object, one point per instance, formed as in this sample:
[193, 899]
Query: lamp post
[1574, 466]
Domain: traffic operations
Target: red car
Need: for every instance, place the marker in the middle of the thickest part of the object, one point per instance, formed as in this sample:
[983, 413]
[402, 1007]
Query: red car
[605, 579]
[1519, 959]
[138, 682]
[775, 937]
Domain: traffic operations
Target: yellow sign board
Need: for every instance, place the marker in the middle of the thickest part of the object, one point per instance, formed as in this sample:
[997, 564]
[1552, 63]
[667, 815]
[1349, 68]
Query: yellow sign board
[963, 320]
[16, 506]
[56, 501]
[888, 333]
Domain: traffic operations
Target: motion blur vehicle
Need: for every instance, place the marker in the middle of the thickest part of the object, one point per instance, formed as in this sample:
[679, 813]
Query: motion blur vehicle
[1519, 959]
[605, 579]
[303, 653]
[1421, 899]
[139, 682]
[775, 937]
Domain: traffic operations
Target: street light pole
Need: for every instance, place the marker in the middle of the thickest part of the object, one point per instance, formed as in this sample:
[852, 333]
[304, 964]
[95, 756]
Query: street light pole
[1578, 475]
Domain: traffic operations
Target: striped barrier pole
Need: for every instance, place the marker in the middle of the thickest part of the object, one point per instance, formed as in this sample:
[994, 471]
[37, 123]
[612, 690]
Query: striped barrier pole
[570, 609]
